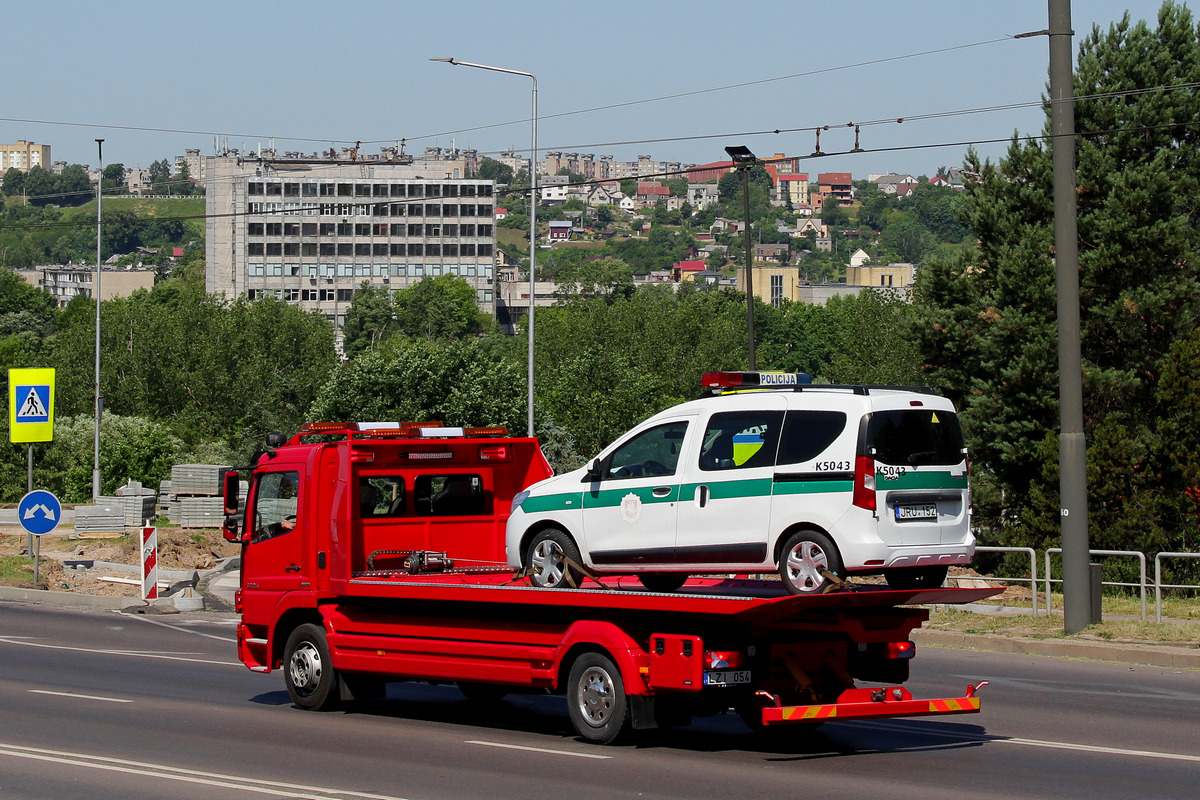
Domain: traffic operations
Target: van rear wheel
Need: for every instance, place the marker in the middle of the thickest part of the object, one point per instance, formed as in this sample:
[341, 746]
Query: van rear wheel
[916, 577]
[802, 560]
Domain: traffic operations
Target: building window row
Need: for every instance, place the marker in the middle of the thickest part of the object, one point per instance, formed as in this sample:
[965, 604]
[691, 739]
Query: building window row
[293, 189]
[394, 249]
[258, 269]
[331, 295]
[345, 210]
[345, 229]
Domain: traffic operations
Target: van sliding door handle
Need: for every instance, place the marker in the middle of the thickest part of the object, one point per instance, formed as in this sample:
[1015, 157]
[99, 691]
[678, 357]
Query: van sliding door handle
[701, 496]
[662, 491]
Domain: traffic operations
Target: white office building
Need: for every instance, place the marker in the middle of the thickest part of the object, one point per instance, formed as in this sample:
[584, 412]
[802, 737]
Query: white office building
[312, 231]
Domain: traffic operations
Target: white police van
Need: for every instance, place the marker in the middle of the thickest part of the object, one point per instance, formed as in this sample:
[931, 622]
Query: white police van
[764, 471]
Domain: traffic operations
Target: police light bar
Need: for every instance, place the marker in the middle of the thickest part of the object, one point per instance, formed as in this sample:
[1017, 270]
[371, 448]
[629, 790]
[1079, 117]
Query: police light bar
[753, 380]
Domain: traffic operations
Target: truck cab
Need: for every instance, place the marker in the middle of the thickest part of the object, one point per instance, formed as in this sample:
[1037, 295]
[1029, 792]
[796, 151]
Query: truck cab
[340, 501]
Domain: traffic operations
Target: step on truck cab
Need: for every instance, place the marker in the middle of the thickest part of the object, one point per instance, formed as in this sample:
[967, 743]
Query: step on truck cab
[374, 553]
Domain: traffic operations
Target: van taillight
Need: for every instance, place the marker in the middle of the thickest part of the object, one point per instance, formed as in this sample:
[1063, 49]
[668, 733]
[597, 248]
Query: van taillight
[864, 482]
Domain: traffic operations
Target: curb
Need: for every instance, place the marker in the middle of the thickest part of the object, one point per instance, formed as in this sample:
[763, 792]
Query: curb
[1145, 654]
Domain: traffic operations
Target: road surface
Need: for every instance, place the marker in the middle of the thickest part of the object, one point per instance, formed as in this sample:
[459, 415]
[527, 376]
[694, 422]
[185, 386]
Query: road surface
[98, 704]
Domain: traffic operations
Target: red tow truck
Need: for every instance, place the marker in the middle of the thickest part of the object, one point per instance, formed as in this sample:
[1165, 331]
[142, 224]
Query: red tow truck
[374, 552]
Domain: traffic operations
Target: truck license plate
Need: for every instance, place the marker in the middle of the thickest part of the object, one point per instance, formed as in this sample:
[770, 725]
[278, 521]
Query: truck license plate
[926, 511]
[728, 678]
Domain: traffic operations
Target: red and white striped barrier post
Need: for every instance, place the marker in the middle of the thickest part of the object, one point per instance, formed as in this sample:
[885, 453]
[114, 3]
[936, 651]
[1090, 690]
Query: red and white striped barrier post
[149, 563]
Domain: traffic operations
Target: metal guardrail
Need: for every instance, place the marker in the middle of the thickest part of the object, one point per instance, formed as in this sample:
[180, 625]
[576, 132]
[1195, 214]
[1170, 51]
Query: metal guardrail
[1033, 576]
[1141, 557]
[1159, 585]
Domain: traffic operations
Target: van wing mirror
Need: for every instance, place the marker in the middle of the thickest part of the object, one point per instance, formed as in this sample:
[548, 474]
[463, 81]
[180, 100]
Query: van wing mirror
[232, 502]
[594, 471]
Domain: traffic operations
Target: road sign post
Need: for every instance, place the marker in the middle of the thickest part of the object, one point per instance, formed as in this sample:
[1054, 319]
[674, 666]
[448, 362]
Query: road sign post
[30, 412]
[39, 513]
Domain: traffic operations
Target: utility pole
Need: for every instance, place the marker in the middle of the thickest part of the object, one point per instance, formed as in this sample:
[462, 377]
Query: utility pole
[1072, 446]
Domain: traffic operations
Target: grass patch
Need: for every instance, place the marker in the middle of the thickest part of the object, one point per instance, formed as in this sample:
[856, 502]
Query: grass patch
[1051, 627]
[15, 570]
[158, 207]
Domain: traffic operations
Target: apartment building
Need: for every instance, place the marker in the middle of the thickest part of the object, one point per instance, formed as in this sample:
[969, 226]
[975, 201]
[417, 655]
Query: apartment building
[312, 231]
[24, 155]
[65, 283]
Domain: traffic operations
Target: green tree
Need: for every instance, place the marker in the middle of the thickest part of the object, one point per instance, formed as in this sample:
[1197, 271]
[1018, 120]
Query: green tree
[492, 170]
[14, 181]
[439, 308]
[987, 318]
[458, 383]
[370, 320]
[832, 212]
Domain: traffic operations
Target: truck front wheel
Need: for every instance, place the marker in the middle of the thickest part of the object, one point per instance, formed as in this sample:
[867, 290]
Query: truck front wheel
[549, 559]
[596, 699]
[311, 680]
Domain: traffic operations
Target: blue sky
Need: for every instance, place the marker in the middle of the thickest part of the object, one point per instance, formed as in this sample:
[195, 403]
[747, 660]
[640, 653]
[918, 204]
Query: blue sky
[314, 73]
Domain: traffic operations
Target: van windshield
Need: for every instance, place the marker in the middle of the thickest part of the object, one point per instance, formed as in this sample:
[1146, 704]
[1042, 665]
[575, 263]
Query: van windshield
[915, 437]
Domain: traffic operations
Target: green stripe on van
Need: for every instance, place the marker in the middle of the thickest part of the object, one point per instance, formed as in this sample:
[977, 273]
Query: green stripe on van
[921, 480]
[813, 487]
[611, 498]
[569, 501]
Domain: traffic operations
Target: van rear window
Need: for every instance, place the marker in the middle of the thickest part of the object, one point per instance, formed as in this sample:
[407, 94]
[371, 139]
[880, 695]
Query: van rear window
[915, 437]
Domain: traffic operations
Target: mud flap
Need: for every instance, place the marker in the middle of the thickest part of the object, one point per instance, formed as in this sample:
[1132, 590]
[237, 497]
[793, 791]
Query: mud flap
[641, 711]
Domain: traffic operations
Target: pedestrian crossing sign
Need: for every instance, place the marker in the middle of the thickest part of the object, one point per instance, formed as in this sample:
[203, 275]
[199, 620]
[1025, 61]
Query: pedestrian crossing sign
[31, 405]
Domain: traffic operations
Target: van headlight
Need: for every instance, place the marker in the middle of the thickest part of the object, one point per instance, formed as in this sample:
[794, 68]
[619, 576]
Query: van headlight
[517, 500]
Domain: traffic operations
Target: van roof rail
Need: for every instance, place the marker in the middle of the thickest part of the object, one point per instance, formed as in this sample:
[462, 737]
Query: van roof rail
[859, 389]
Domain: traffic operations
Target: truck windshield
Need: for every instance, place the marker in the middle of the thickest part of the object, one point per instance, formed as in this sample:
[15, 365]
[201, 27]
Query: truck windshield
[915, 437]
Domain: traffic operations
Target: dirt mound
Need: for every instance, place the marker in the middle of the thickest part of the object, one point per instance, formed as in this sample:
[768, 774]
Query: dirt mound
[178, 549]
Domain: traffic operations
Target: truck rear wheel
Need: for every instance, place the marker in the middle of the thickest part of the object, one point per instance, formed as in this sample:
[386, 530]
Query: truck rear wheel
[596, 699]
[663, 581]
[549, 559]
[311, 680]
[803, 557]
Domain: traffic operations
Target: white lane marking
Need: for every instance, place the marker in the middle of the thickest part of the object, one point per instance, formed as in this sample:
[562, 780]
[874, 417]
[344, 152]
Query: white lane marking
[134, 653]
[998, 739]
[537, 749]
[79, 696]
[166, 772]
[175, 627]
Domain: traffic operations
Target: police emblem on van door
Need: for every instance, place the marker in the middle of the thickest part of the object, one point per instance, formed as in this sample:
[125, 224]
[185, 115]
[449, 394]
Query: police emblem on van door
[631, 508]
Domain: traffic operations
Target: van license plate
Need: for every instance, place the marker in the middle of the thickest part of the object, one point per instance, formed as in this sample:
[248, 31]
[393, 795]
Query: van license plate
[906, 513]
[727, 678]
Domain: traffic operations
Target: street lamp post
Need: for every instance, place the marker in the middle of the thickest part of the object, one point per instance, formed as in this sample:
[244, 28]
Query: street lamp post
[533, 201]
[744, 160]
[96, 298]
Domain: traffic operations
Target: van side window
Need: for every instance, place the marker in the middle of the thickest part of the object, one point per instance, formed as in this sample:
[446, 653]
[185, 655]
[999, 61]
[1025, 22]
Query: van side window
[649, 454]
[275, 504]
[807, 434]
[381, 496]
[740, 440]
[458, 495]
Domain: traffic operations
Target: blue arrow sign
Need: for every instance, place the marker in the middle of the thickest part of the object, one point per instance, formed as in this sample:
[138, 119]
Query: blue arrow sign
[39, 512]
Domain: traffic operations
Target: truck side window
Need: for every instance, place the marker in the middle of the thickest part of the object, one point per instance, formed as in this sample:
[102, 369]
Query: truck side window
[651, 453]
[381, 496]
[457, 495]
[807, 434]
[275, 505]
[740, 440]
